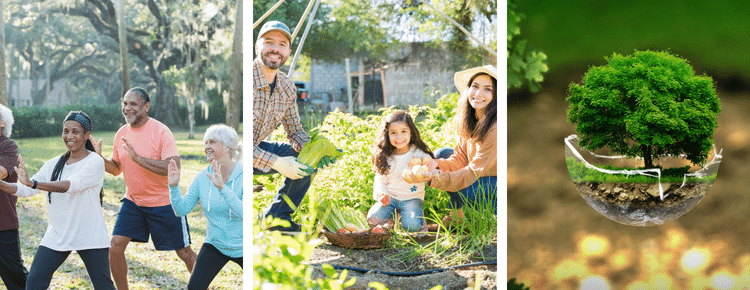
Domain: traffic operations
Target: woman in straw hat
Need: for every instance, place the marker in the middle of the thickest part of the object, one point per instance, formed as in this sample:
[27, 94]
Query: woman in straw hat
[468, 172]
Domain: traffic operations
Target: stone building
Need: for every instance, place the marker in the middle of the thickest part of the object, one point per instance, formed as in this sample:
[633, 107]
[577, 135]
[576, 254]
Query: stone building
[412, 74]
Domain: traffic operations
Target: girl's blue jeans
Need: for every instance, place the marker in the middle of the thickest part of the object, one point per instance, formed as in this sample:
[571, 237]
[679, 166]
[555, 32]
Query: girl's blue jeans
[412, 216]
[482, 191]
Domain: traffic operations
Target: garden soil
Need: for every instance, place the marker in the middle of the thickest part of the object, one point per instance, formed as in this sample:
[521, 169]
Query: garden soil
[641, 194]
[386, 260]
[556, 241]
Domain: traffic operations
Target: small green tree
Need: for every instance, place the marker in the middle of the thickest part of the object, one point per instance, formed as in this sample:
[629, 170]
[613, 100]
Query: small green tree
[648, 104]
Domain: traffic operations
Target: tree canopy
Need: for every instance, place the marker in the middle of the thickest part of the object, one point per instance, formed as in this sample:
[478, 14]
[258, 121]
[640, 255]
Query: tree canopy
[79, 41]
[350, 28]
[648, 104]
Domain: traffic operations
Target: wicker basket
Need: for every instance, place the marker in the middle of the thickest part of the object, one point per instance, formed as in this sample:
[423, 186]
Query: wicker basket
[358, 240]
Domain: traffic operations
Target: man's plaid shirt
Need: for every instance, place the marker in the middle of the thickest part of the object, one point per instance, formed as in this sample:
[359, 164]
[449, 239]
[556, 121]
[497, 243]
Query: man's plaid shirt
[271, 110]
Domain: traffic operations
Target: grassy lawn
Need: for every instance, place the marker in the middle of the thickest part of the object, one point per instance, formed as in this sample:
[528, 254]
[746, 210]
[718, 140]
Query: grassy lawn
[147, 268]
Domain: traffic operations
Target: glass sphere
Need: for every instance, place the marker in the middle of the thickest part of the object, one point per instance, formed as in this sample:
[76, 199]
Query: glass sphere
[614, 187]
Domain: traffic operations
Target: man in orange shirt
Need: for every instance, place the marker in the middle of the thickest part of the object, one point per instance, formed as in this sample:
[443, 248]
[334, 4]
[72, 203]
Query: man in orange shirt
[142, 151]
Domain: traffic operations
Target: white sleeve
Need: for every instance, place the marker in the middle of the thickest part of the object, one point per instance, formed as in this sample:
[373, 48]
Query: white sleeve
[90, 175]
[24, 191]
[379, 185]
[44, 174]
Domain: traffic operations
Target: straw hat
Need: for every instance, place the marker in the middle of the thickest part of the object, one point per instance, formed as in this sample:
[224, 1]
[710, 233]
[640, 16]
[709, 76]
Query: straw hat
[461, 79]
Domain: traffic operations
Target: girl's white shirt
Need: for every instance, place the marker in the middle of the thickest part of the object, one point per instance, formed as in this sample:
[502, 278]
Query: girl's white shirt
[393, 184]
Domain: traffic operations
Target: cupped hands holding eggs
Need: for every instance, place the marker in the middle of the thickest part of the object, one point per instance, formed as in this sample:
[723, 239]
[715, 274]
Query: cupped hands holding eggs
[418, 171]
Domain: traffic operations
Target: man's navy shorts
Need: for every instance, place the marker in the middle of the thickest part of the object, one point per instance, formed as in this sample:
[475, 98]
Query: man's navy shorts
[168, 231]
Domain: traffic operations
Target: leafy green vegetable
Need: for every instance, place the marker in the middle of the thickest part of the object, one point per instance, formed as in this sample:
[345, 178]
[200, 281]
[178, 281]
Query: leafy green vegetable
[316, 149]
[335, 219]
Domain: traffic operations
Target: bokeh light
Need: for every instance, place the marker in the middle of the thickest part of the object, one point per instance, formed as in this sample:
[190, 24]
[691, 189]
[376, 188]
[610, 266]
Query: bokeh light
[675, 240]
[594, 245]
[595, 283]
[661, 281]
[569, 269]
[723, 279]
[620, 260]
[667, 261]
[695, 260]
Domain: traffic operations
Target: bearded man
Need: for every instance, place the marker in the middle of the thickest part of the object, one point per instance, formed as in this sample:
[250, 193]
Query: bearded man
[274, 104]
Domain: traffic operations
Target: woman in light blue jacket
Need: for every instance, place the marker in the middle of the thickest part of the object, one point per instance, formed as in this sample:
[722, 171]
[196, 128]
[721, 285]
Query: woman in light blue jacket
[221, 200]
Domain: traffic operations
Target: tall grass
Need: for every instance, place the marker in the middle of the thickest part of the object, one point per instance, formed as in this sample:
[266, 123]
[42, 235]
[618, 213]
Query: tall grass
[462, 241]
[147, 268]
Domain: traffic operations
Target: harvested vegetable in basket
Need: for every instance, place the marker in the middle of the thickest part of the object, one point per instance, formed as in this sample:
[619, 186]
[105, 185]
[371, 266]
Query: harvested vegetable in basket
[338, 220]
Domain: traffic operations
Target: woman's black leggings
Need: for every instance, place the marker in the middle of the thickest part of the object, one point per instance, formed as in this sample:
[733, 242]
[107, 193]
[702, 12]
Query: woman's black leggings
[46, 262]
[207, 266]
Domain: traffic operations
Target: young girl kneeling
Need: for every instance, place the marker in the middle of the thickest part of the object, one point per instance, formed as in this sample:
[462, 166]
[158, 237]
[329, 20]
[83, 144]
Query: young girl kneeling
[396, 145]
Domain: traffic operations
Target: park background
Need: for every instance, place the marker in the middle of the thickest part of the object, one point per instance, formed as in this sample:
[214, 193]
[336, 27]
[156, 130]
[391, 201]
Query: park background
[62, 55]
[555, 240]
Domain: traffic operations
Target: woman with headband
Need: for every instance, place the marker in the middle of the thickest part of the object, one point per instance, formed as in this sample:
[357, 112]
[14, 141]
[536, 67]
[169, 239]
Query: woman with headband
[73, 182]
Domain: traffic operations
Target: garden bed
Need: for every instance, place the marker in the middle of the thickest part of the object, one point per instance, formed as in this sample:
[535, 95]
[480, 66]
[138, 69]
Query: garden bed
[387, 259]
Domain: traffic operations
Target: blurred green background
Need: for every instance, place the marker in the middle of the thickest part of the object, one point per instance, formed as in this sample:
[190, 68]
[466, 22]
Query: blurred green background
[712, 35]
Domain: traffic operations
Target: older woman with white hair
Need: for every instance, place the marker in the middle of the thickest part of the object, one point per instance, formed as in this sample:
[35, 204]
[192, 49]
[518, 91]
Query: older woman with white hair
[219, 188]
[12, 270]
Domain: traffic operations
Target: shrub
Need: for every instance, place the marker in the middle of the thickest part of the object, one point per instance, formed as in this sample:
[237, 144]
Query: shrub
[217, 113]
[648, 104]
[37, 121]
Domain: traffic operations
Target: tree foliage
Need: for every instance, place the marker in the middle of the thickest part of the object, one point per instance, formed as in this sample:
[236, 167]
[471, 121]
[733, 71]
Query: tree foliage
[648, 104]
[526, 66]
[80, 42]
[70, 49]
[351, 28]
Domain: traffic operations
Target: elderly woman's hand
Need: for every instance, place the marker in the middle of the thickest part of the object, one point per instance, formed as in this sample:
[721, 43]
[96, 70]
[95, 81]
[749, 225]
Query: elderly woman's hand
[217, 179]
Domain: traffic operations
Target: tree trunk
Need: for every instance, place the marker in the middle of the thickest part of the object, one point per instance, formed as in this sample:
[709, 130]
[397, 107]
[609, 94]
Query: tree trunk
[164, 101]
[235, 94]
[361, 85]
[647, 160]
[187, 90]
[123, 46]
[32, 74]
[3, 85]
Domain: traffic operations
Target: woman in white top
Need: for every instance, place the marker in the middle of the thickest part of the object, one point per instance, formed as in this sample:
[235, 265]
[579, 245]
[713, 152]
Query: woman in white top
[73, 182]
